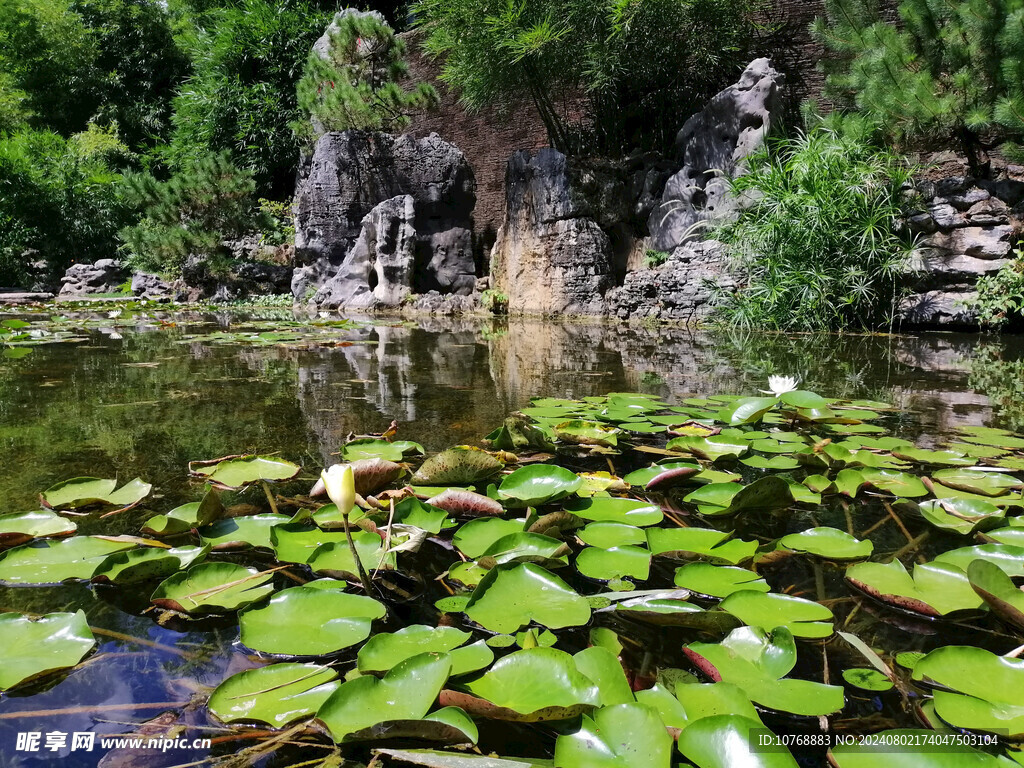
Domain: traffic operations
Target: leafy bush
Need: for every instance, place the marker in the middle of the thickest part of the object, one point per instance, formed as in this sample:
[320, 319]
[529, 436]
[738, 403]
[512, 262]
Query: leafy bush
[193, 213]
[59, 199]
[654, 258]
[279, 226]
[494, 301]
[356, 86]
[643, 66]
[951, 70]
[819, 242]
[1000, 297]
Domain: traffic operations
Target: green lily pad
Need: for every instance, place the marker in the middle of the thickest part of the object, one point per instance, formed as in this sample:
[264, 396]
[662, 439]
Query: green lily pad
[965, 516]
[867, 679]
[182, 519]
[981, 691]
[510, 597]
[458, 466]
[19, 527]
[88, 491]
[242, 532]
[881, 751]
[994, 587]
[387, 650]
[240, 471]
[579, 432]
[1007, 556]
[477, 536]
[540, 683]
[724, 741]
[766, 493]
[611, 509]
[372, 448]
[608, 535]
[35, 647]
[294, 543]
[777, 463]
[412, 511]
[405, 693]
[282, 625]
[804, 618]
[693, 543]
[934, 458]
[51, 562]
[936, 589]
[675, 612]
[897, 483]
[829, 543]
[985, 483]
[646, 474]
[525, 547]
[537, 484]
[602, 667]
[335, 559]
[276, 695]
[146, 563]
[747, 410]
[710, 448]
[626, 735]
[213, 588]
[718, 580]
[799, 398]
[614, 562]
[756, 662]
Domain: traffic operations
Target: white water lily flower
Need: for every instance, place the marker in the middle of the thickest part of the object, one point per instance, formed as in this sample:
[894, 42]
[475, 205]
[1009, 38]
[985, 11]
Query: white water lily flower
[779, 385]
[340, 482]
[114, 313]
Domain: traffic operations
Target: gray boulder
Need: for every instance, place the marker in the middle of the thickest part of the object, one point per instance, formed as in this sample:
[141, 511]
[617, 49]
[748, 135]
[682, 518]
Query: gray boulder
[712, 146]
[105, 276]
[149, 286]
[350, 173]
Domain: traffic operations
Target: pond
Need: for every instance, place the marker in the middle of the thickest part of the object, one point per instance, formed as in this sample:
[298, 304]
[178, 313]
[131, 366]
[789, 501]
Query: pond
[142, 393]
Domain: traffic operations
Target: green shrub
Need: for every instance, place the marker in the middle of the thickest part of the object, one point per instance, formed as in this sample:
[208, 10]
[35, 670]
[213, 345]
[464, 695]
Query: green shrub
[819, 242]
[280, 224]
[494, 301]
[1000, 297]
[653, 258]
[193, 213]
[356, 86]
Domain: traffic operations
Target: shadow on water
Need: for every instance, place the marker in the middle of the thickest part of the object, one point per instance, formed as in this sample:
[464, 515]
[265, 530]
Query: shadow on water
[145, 400]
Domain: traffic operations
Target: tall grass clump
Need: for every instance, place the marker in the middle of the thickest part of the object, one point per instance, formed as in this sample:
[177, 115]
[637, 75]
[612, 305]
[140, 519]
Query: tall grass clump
[819, 242]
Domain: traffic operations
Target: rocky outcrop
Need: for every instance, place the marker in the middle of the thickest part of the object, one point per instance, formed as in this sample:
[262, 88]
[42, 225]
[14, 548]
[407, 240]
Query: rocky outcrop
[149, 286]
[966, 230]
[712, 146]
[105, 276]
[347, 177]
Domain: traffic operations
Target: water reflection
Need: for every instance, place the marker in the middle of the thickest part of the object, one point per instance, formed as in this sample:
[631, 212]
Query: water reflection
[145, 401]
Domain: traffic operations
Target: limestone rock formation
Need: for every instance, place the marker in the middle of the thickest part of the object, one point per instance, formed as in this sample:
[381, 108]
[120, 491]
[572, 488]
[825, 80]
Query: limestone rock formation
[149, 286]
[712, 146]
[84, 279]
[351, 173]
[967, 229]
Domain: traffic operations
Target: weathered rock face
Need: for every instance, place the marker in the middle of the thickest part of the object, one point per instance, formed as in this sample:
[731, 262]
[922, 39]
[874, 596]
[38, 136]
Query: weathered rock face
[712, 146]
[353, 172]
[967, 230]
[148, 286]
[84, 279]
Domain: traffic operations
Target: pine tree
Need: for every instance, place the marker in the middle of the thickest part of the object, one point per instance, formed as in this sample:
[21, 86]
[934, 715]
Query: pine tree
[356, 84]
[952, 71]
[192, 213]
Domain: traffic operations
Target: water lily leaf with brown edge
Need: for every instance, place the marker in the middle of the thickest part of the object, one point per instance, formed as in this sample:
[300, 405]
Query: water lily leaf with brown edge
[579, 432]
[536, 684]
[276, 695]
[282, 625]
[464, 465]
[627, 735]
[936, 589]
[20, 527]
[965, 516]
[33, 647]
[462, 503]
[647, 474]
[213, 588]
[510, 597]
[985, 483]
[405, 693]
[756, 662]
[52, 562]
[90, 491]
[235, 472]
[1004, 598]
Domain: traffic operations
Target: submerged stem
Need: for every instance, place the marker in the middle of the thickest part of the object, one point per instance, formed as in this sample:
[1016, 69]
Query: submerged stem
[363, 578]
[270, 496]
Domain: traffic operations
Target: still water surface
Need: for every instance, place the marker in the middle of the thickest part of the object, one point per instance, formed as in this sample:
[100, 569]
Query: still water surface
[143, 399]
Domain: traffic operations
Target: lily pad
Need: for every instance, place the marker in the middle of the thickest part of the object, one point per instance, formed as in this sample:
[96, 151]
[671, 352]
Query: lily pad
[829, 543]
[242, 532]
[282, 625]
[89, 491]
[35, 647]
[622, 736]
[984, 483]
[608, 535]
[965, 516]
[804, 618]
[51, 562]
[372, 448]
[693, 543]
[579, 432]
[537, 484]
[213, 588]
[387, 650]
[867, 679]
[897, 483]
[1007, 556]
[647, 474]
[710, 448]
[240, 471]
[146, 563]
[725, 741]
[405, 693]
[510, 597]
[614, 562]
[718, 580]
[525, 547]
[19, 527]
[611, 509]
[276, 695]
[182, 519]
[766, 493]
[746, 410]
[477, 536]
[462, 503]
[936, 589]
[458, 466]
[994, 587]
